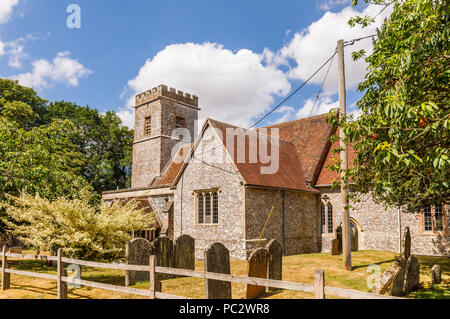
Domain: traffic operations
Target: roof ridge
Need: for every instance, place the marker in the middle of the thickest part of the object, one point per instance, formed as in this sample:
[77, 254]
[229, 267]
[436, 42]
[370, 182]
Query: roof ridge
[298, 120]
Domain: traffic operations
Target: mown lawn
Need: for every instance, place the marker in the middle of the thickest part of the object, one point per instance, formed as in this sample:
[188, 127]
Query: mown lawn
[299, 268]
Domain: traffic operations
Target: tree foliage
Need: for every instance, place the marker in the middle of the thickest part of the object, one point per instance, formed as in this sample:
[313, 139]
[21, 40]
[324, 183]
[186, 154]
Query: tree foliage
[402, 135]
[40, 141]
[83, 230]
[105, 144]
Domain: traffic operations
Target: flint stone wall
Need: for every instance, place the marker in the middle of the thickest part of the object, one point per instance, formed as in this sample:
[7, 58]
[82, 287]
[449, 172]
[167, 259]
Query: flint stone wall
[230, 230]
[378, 228]
[301, 219]
[152, 153]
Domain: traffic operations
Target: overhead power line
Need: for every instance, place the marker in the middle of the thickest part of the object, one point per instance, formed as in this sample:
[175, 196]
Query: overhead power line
[293, 92]
[321, 87]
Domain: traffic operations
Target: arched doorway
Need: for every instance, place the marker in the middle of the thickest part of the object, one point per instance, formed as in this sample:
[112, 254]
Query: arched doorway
[354, 233]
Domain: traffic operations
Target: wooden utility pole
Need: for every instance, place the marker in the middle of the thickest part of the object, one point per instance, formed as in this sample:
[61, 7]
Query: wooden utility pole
[346, 244]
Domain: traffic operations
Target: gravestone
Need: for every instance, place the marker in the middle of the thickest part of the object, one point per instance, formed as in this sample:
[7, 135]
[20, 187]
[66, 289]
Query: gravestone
[412, 275]
[388, 277]
[275, 267]
[335, 247]
[163, 247]
[137, 252]
[217, 259]
[436, 277]
[257, 268]
[406, 244]
[339, 238]
[185, 252]
[398, 284]
[354, 238]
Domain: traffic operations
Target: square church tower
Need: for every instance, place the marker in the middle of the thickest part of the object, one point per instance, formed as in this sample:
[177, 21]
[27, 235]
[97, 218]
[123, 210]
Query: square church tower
[164, 119]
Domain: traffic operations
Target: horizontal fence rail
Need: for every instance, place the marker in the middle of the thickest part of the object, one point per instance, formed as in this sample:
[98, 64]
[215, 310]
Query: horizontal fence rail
[63, 280]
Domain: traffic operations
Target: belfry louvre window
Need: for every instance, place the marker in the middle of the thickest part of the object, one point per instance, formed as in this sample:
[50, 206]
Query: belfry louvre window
[326, 216]
[148, 126]
[179, 122]
[207, 207]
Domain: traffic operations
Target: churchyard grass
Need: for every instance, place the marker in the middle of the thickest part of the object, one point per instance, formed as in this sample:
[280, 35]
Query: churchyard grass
[299, 268]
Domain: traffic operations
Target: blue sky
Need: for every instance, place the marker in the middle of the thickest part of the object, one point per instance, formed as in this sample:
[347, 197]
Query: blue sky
[240, 57]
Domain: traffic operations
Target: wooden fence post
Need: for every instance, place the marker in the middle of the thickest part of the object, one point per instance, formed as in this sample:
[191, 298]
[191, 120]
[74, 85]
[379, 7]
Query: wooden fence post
[152, 277]
[61, 285]
[319, 284]
[6, 278]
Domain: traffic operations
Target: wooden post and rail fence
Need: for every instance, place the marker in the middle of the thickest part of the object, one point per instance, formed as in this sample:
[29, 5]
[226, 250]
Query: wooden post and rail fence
[318, 289]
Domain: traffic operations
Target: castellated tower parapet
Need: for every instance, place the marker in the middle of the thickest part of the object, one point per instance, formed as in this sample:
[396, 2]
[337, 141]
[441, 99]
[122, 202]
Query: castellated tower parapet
[168, 93]
[164, 119]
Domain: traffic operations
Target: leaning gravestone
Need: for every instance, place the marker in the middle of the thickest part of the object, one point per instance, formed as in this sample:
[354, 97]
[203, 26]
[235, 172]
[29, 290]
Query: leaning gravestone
[217, 260]
[275, 266]
[137, 252]
[436, 277]
[163, 247]
[406, 244]
[412, 275]
[184, 252]
[388, 277]
[339, 238]
[398, 285]
[335, 247]
[354, 238]
[257, 268]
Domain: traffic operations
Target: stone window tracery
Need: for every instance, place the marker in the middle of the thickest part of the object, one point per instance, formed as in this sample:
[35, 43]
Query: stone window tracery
[327, 225]
[207, 207]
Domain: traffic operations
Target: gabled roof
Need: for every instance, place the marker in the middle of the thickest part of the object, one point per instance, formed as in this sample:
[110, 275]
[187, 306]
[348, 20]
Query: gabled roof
[310, 137]
[170, 172]
[326, 176]
[289, 174]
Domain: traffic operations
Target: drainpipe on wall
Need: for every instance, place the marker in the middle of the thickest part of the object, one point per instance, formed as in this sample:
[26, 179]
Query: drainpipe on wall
[399, 230]
[284, 223]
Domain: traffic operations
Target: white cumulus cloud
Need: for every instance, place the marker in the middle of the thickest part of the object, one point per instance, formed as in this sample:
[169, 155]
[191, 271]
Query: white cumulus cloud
[6, 7]
[330, 4]
[286, 113]
[312, 46]
[62, 69]
[322, 106]
[234, 87]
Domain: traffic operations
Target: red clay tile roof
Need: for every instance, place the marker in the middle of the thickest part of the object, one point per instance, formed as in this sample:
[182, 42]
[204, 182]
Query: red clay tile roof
[171, 171]
[327, 176]
[310, 137]
[289, 174]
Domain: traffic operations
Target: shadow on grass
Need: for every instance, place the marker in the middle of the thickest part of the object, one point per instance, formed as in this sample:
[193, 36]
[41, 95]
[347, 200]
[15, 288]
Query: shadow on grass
[432, 292]
[31, 265]
[426, 262]
[50, 291]
[378, 263]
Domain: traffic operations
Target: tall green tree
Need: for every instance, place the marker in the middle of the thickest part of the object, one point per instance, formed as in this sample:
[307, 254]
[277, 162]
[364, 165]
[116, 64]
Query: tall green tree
[104, 142]
[13, 93]
[402, 135]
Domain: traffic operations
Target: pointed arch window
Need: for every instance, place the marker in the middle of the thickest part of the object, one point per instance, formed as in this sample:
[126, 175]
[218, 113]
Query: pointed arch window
[327, 223]
[207, 207]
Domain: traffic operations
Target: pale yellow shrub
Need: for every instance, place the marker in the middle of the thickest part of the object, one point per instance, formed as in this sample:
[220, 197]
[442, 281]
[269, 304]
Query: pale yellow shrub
[83, 231]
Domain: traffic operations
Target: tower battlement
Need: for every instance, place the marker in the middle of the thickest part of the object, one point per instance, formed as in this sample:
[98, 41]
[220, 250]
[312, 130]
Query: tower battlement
[170, 93]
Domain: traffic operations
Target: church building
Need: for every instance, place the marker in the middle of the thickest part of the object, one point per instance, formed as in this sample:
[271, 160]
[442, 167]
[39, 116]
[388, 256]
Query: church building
[243, 188]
